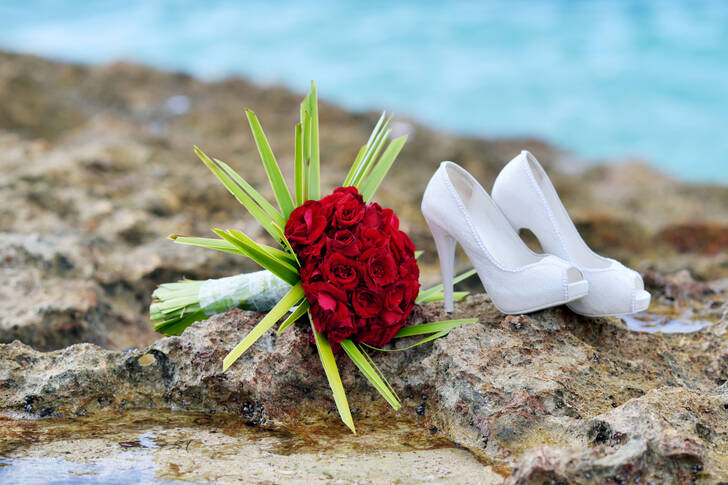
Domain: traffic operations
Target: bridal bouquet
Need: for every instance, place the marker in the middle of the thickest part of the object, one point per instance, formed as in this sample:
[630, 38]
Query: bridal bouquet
[342, 263]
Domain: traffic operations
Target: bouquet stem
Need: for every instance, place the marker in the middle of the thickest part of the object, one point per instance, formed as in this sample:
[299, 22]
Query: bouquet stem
[175, 306]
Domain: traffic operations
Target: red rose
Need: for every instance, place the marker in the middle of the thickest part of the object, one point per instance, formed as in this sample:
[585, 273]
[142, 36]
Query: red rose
[337, 324]
[306, 224]
[341, 191]
[380, 268]
[377, 333]
[370, 332]
[361, 325]
[333, 200]
[373, 217]
[389, 333]
[311, 272]
[392, 317]
[311, 251]
[401, 244]
[372, 238]
[358, 269]
[400, 297]
[341, 271]
[408, 269]
[343, 328]
[348, 211]
[366, 303]
[391, 218]
[343, 242]
[323, 294]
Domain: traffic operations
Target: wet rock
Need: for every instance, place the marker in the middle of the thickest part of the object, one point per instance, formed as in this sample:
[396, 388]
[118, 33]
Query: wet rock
[150, 446]
[502, 388]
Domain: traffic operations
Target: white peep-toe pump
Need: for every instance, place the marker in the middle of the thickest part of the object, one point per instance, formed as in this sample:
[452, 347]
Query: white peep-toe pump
[527, 197]
[458, 210]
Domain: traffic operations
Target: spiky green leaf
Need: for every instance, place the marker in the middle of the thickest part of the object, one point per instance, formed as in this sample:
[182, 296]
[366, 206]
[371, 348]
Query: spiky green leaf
[281, 308]
[365, 367]
[239, 192]
[206, 242]
[295, 315]
[332, 374]
[439, 296]
[382, 167]
[298, 168]
[429, 338]
[433, 327]
[276, 265]
[371, 157]
[280, 189]
[254, 194]
[315, 167]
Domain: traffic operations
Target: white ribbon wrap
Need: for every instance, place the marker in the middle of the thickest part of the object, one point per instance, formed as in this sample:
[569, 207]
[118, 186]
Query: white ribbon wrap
[258, 291]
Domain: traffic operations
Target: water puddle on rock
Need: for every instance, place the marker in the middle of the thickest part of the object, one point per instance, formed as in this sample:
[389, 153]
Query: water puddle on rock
[656, 323]
[153, 446]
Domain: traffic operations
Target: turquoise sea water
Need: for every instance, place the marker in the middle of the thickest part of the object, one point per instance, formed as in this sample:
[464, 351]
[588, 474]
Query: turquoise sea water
[606, 79]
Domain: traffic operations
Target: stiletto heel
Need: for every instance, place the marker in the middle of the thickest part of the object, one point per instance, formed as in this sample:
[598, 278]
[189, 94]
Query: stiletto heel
[529, 200]
[446, 253]
[459, 211]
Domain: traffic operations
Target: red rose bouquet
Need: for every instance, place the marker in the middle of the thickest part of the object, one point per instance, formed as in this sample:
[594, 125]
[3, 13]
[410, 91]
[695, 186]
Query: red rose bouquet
[343, 265]
[358, 270]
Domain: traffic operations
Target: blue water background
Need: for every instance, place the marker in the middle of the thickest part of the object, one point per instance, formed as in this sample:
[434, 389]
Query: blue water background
[606, 79]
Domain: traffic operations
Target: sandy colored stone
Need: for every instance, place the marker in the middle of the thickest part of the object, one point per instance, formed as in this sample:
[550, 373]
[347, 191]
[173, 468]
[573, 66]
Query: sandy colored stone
[525, 393]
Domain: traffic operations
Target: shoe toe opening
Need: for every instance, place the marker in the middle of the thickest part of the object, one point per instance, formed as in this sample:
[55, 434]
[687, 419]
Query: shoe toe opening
[574, 275]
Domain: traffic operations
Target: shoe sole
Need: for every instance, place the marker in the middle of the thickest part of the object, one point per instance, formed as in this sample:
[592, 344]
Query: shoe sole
[641, 303]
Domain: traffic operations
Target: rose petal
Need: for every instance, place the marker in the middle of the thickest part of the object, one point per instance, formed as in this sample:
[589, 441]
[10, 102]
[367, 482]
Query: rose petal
[326, 301]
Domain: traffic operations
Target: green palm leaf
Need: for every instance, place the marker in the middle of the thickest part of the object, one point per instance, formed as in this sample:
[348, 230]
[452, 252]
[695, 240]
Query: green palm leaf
[433, 327]
[363, 158]
[263, 218]
[439, 296]
[299, 171]
[382, 167]
[295, 315]
[281, 308]
[436, 329]
[314, 172]
[259, 199]
[429, 338]
[374, 146]
[381, 374]
[365, 367]
[306, 148]
[206, 242]
[332, 374]
[280, 189]
[278, 266]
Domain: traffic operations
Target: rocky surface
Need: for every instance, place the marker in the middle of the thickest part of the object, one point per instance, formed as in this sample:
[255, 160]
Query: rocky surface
[514, 390]
[96, 169]
[153, 446]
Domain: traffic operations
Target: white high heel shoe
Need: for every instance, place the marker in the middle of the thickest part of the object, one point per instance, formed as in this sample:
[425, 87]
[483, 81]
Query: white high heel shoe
[458, 210]
[527, 197]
